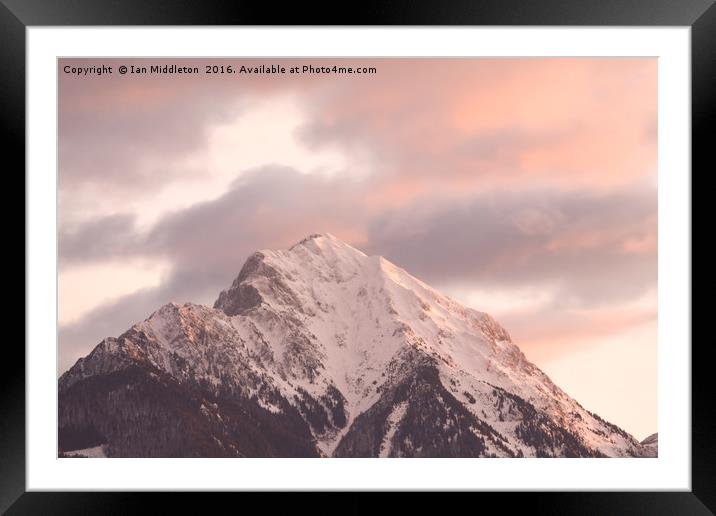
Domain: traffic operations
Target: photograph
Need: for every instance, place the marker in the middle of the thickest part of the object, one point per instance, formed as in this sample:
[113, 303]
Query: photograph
[345, 257]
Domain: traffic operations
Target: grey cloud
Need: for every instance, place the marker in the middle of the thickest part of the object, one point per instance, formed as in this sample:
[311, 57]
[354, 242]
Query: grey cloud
[274, 205]
[487, 242]
[102, 238]
[122, 150]
[267, 207]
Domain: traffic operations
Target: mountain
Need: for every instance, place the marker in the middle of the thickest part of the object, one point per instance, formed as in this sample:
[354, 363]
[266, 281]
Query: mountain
[320, 350]
[651, 444]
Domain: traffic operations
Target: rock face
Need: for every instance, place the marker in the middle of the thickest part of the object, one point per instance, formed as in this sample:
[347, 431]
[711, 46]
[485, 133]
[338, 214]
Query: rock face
[651, 445]
[317, 351]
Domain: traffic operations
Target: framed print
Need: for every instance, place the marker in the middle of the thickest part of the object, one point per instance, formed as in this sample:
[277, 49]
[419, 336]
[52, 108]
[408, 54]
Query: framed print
[265, 254]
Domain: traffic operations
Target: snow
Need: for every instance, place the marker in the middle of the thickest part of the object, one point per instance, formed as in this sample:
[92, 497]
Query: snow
[90, 453]
[393, 422]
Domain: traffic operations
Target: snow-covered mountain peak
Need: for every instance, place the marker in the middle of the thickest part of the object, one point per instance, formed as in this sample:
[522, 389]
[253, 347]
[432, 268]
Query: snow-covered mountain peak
[324, 283]
[353, 354]
[317, 255]
[275, 277]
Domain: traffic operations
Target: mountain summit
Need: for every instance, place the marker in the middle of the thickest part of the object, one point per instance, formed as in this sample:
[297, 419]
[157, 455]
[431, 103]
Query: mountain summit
[321, 350]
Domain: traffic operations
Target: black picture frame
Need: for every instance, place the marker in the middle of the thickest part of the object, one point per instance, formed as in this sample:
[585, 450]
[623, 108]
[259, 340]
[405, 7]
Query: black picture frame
[17, 15]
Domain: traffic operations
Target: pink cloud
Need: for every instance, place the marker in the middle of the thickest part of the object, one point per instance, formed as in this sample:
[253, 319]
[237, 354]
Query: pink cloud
[563, 123]
[543, 337]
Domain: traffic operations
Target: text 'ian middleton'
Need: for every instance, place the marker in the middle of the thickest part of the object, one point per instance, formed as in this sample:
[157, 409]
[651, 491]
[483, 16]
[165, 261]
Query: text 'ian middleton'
[163, 69]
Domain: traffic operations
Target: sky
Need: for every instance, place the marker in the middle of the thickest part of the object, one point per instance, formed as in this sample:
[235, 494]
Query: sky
[525, 188]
